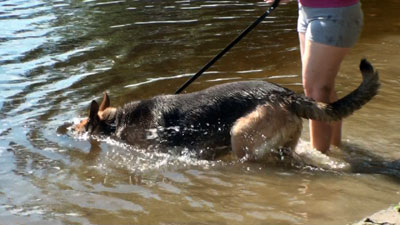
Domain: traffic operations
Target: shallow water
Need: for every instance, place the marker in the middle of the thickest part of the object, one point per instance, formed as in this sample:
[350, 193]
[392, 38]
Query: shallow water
[57, 56]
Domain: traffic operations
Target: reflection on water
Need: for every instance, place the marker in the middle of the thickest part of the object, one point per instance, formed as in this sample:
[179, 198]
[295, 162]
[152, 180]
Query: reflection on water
[56, 56]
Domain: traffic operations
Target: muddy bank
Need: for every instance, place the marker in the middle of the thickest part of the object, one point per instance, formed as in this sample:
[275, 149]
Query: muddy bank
[390, 216]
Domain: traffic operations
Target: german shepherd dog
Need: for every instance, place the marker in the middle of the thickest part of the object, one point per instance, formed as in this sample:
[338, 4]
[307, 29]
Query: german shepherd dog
[249, 117]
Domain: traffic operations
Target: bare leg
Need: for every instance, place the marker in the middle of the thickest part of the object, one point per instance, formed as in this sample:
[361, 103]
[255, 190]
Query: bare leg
[336, 137]
[320, 65]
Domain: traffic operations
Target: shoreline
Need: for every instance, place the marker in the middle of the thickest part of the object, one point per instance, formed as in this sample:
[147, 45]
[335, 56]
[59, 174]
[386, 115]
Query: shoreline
[389, 216]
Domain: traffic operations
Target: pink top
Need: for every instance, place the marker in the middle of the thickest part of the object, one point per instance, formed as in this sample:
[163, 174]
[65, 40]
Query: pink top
[327, 3]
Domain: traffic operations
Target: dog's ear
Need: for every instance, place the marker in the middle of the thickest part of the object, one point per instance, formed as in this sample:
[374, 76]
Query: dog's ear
[91, 123]
[105, 103]
[93, 119]
[94, 109]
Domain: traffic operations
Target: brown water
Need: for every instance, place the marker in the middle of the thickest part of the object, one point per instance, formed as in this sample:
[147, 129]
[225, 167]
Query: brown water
[56, 56]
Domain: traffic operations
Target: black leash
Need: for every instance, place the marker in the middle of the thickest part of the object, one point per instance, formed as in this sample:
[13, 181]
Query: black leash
[228, 47]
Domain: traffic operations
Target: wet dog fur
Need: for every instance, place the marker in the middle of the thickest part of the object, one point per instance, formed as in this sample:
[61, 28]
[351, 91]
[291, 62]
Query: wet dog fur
[255, 119]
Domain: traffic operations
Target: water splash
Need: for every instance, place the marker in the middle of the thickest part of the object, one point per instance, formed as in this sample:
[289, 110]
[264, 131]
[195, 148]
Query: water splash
[315, 158]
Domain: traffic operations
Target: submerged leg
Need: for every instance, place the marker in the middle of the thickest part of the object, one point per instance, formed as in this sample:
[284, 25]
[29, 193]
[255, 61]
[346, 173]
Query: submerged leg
[267, 128]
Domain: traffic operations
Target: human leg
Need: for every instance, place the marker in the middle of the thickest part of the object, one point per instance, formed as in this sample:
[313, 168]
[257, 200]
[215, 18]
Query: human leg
[320, 65]
[326, 36]
[336, 137]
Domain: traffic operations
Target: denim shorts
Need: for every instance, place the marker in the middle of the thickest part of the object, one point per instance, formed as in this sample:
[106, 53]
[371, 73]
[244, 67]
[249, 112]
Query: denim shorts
[340, 27]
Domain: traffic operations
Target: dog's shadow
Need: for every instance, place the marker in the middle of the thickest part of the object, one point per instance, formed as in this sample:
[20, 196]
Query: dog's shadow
[365, 161]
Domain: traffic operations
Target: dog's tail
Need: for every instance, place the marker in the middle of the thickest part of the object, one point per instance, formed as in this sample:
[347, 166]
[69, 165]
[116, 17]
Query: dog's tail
[310, 109]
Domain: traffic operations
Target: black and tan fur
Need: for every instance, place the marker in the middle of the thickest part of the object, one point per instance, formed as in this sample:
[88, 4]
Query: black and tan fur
[250, 117]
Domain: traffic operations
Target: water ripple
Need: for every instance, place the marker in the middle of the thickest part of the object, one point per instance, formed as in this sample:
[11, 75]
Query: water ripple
[57, 56]
[165, 22]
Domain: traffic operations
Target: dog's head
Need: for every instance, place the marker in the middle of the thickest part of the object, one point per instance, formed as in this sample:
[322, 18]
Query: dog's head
[101, 118]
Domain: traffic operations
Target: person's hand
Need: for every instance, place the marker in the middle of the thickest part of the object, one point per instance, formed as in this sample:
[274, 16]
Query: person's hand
[272, 1]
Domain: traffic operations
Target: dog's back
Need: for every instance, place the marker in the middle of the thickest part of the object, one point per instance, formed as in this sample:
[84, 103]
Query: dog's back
[201, 119]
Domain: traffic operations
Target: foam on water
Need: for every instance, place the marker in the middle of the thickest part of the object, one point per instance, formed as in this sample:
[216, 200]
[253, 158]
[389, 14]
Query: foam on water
[315, 158]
